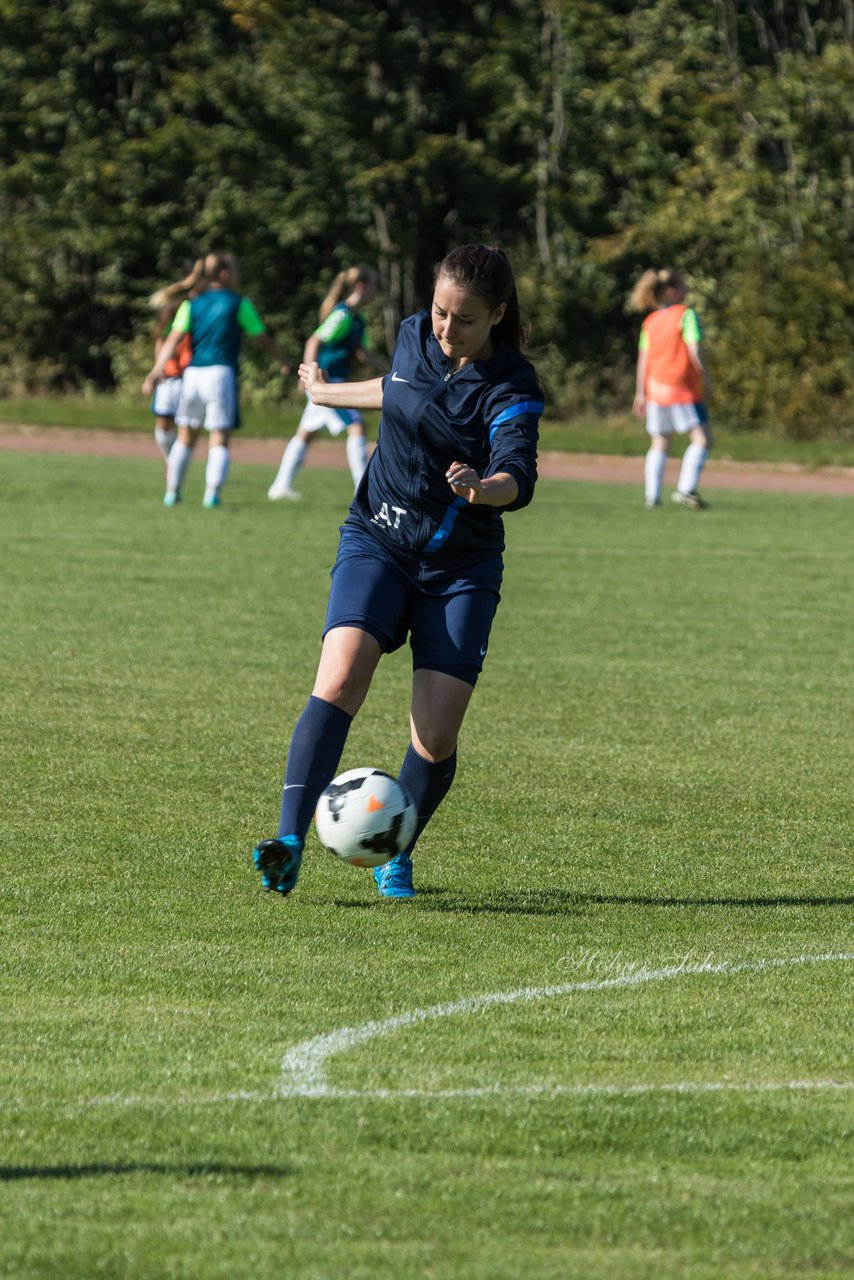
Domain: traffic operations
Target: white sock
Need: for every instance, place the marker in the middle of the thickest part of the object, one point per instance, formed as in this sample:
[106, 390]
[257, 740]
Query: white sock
[165, 439]
[176, 465]
[653, 474]
[357, 456]
[692, 466]
[219, 460]
[292, 459]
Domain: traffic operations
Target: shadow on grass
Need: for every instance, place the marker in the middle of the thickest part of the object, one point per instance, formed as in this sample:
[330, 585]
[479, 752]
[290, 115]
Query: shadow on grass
[606, 899]
[562, 902]
[534, 902]
[72, 1172]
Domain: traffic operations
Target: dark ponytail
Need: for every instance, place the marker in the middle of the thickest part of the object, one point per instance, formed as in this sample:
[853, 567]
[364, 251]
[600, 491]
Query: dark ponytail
[486, 270]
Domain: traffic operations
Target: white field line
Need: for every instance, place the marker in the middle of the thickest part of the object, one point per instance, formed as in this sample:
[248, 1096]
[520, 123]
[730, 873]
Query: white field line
[304, 1066]
[485, 1092]
[590, 1090]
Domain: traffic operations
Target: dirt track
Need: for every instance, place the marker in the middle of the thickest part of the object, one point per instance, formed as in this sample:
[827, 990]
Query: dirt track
[718, 473]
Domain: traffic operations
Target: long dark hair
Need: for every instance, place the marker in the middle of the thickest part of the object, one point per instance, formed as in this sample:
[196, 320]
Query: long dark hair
[486, 270]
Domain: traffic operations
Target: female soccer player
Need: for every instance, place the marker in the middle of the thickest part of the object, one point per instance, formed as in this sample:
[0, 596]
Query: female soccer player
[215, 320]
[671, 385]
[167, 393]
[420, 549]
[341, 337]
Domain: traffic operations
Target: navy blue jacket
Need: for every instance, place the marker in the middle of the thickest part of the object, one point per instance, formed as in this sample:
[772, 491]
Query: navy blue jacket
[485, 414]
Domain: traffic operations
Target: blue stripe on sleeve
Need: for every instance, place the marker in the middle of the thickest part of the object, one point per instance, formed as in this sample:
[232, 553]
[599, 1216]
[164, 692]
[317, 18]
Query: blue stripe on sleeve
[526, 406]
[443, 533]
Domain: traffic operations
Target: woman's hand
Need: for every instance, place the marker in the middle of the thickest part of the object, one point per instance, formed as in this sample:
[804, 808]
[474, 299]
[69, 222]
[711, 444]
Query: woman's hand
[495, 491]
[164, 355]
[465, 482]
[311, 376]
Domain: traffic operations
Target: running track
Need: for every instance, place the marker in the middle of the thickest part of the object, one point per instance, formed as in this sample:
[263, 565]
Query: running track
[718, 473]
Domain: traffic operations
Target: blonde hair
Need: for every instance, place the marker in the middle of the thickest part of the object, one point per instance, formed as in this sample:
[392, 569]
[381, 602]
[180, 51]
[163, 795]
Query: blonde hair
[216, 263]
[204, 271]
[181, 288]
[344, 284]
[653, 285]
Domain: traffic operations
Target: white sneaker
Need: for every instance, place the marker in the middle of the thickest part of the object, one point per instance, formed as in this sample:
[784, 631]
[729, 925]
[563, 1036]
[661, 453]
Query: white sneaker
[692, 500]
[276, 492]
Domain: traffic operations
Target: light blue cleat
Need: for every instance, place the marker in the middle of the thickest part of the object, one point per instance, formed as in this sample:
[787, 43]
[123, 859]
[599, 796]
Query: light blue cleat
[279, 861]
[394, 880]
[211, 500]
[171, 499]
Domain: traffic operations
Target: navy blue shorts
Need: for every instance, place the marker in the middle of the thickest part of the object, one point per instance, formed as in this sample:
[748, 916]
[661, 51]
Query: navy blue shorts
[447, 614]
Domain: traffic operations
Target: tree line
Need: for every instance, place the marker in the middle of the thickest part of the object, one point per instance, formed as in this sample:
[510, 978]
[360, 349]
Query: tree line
[589, 139]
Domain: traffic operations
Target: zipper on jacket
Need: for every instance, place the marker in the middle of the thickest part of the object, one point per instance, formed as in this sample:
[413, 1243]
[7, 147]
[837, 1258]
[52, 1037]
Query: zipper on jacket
[415, 450]
[431, 395]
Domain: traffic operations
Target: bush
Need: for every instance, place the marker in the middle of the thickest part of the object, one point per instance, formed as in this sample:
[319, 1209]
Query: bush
[782, 347]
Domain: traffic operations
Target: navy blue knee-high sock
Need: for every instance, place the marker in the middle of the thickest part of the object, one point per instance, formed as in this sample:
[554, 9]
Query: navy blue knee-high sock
[313, 757]
[428, 784]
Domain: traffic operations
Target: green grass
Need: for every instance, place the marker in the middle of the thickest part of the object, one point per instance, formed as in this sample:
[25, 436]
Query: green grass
[653, 774]
[617, 434]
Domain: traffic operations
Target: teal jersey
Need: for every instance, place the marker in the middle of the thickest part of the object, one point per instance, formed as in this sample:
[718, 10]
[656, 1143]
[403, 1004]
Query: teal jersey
[217, 320]
[341, 335]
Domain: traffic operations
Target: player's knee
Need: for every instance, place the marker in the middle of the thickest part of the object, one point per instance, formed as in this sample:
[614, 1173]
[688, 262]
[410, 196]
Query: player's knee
[346, 690]
[435, 745]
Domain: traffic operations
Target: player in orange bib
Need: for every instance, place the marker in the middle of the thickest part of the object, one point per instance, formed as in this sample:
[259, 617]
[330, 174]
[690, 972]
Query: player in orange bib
[167, 393]
[672, 385]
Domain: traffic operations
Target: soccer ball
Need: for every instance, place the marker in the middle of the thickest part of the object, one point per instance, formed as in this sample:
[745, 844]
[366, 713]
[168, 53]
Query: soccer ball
[366, 817]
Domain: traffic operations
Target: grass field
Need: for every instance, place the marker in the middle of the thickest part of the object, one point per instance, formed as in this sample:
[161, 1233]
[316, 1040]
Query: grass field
[611, 1037]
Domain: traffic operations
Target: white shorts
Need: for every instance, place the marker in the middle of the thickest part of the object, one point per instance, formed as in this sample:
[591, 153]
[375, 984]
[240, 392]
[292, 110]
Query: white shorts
[208, 397]
[167, 397]
[664, 419]
[316, 416]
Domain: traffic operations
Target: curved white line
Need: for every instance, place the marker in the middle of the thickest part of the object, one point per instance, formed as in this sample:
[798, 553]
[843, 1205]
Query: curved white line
[304, 1065]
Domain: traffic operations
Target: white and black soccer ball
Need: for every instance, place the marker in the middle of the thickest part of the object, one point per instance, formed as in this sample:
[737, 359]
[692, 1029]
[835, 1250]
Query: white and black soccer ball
[366, 817]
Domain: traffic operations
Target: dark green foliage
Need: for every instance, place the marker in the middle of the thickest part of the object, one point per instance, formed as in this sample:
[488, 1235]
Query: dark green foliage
[590, 139]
